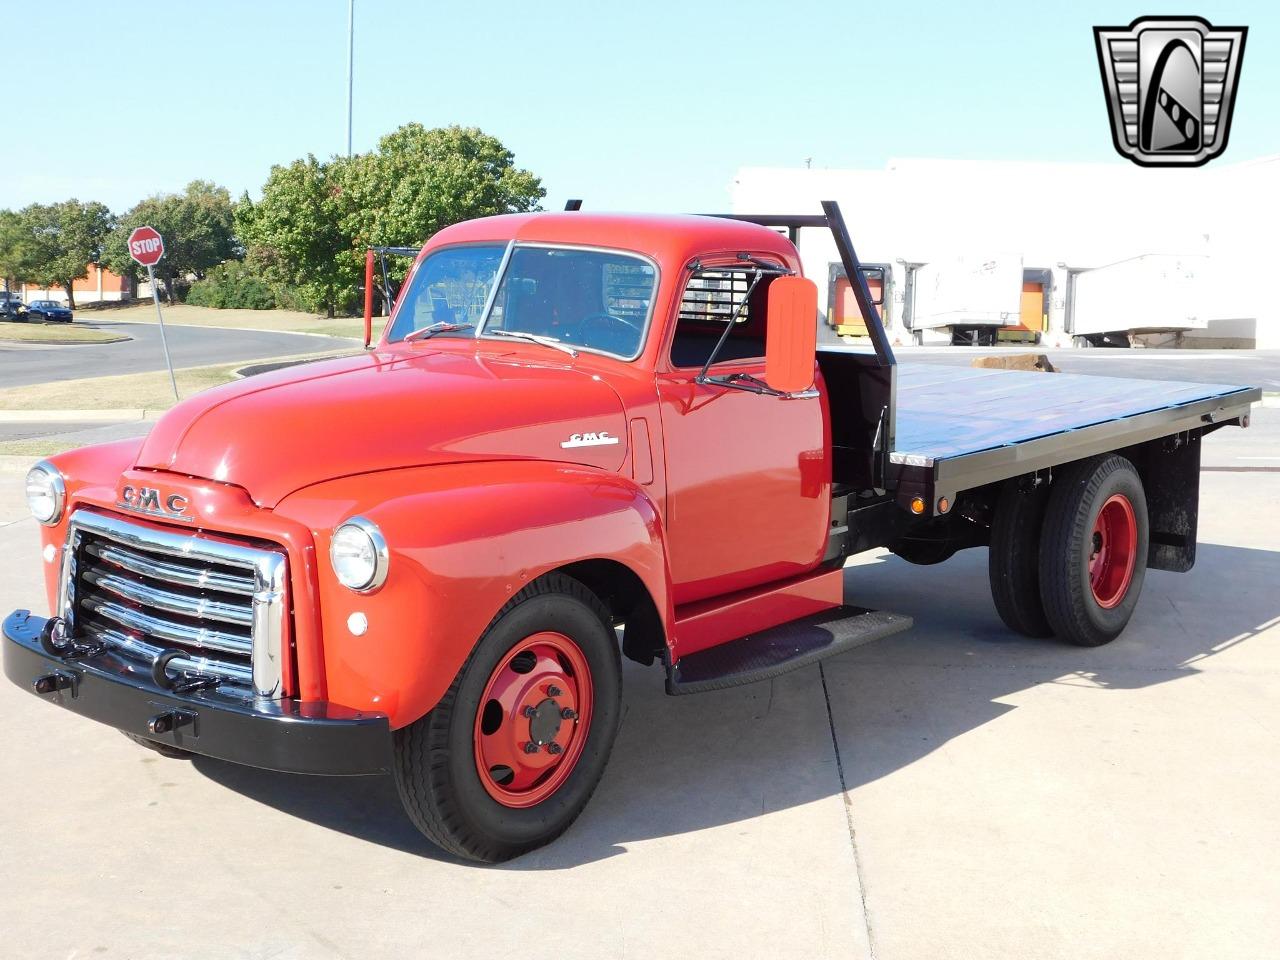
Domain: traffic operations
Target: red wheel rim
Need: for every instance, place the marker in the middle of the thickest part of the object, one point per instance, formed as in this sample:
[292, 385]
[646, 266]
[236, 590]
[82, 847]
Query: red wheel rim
[1113, 551]
[533, 718]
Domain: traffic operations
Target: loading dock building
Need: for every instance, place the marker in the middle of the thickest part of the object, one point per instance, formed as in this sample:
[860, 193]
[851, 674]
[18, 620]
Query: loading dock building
[1170, 257]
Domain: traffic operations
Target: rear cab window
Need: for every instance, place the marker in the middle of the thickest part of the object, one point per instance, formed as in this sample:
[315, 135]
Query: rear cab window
[713, 296]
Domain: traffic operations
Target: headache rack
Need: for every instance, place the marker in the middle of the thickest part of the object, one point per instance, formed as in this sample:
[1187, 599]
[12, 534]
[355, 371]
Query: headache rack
[218, 607]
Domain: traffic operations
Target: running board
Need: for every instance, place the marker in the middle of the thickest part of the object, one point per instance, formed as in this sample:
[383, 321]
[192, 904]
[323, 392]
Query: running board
[779, 650]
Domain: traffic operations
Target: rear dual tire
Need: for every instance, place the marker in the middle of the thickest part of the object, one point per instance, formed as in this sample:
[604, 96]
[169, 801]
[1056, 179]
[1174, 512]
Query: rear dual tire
[1093, 550]
[1070, 561]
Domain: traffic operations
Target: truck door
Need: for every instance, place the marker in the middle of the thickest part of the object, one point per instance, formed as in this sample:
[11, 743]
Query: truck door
[748, 474]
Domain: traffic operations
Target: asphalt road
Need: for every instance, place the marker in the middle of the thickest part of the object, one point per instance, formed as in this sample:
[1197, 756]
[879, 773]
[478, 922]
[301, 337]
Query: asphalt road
[26, 364]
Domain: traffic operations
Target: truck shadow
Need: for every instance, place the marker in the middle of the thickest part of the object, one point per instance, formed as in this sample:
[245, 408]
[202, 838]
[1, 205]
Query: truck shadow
[685, 764]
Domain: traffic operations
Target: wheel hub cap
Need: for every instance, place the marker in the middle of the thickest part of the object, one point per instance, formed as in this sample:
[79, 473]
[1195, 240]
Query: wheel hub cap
[1113, 551]
[532, 723]
[545, 722]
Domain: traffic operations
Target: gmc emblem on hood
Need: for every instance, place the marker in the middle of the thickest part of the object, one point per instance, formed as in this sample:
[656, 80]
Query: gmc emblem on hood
[150, 500]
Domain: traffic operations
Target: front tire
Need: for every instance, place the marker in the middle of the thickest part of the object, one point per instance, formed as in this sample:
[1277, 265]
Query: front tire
[512, 753]
[1093, 550]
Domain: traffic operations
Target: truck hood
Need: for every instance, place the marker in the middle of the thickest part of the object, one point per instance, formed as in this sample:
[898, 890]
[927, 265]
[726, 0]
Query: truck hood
[275, 433]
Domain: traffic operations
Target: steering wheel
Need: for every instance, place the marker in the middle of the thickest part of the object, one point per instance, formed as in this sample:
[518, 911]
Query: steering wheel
[621, 328]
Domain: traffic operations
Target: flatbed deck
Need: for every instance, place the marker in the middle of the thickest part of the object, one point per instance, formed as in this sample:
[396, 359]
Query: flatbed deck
[968, 426]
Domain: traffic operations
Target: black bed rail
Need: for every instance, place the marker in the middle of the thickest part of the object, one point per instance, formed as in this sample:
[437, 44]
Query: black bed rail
[832, 219]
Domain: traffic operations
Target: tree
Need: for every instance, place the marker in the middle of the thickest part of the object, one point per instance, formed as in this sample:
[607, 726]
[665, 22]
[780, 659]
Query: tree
[53, 244]
[295, 230]
[420, 181]
[316, 218]
[13, 248]
[198, 226]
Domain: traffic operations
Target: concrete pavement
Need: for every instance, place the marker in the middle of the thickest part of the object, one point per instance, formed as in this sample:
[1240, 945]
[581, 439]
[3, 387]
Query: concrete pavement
[952, 792]
[25, 364]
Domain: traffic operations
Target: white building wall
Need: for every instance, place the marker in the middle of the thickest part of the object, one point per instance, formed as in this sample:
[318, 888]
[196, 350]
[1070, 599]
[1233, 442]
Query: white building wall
[1056, 216]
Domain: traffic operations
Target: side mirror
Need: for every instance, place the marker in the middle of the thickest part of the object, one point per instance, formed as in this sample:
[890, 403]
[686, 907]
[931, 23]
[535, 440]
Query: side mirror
[791, 339]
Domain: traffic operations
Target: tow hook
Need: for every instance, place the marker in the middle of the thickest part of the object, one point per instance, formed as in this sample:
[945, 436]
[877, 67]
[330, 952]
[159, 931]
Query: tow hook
[183, 684]
[54, 682]
[170, 721]
[55, 642]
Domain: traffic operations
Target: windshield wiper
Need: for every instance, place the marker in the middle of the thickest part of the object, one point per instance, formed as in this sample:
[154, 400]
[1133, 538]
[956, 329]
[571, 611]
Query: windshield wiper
[442, 326]
[534, 338]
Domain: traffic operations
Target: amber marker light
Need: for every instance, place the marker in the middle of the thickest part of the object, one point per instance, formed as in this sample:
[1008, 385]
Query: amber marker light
[943, 504]
[917, 504]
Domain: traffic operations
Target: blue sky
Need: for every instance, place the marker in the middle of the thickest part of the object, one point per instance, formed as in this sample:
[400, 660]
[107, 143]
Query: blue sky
[641, 106]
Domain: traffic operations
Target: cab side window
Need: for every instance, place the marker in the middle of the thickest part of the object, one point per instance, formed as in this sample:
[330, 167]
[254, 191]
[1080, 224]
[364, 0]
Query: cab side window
[710, 300]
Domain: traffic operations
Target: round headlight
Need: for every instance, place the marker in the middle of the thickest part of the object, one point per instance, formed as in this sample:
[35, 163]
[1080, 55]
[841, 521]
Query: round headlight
[46, 493]
[359, 555]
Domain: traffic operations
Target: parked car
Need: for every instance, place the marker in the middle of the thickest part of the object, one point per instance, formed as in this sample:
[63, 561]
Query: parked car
[48, 311]
[11, 308]
[416, 560]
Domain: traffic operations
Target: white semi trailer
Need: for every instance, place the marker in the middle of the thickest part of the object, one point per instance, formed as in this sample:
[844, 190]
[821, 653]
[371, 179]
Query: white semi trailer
[965, 300]
[1154, 293]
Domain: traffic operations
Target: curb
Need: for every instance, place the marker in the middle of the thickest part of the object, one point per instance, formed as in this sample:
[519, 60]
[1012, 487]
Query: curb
[118, 415]
[210, 326]
[67, 343]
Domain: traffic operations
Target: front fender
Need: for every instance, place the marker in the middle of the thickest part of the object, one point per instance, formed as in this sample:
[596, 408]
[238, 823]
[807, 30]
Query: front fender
[463, 539]
[90, 475]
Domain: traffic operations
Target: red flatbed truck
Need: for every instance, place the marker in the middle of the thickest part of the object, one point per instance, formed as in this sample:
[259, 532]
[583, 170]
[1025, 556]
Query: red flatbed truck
[574, 426]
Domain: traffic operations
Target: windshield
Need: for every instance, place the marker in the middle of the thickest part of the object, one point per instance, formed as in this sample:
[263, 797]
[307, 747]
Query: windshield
[450, 287]
[593, 299]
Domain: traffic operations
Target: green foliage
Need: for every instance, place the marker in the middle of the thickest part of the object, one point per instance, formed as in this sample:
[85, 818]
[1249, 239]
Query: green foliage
[315, 219]
[294, 230]
[198, 226]
[303, 242]
[13, 252]
[53, 244]
[232, 285]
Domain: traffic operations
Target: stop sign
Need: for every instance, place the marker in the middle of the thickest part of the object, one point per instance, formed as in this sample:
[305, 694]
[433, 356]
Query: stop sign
[146, 246]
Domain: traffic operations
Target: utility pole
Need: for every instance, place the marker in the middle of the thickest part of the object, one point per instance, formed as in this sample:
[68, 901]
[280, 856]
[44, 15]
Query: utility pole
[351, 63]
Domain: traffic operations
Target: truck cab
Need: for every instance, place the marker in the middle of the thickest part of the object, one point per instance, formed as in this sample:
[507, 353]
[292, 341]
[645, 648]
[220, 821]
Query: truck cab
[579, 437]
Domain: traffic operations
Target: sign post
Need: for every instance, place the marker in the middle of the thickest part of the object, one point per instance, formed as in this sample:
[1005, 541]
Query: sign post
[146, 246]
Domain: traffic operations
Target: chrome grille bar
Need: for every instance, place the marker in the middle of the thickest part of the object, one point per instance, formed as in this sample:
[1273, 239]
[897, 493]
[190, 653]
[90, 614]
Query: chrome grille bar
[197, 577]
[144, 590]
[179, 603]
[201, 638]
[147, 653]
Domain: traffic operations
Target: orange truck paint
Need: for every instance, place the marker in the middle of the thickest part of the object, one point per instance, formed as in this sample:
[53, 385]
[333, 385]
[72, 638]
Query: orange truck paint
[454, 447]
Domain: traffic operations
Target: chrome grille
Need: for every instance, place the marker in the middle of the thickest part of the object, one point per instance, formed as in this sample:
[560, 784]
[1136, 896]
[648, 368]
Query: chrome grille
[143, 591]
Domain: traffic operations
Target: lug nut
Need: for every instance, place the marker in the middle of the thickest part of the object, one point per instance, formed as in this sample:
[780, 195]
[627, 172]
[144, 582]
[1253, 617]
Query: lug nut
[554, 691]
[531, 747]
[554, 748]
[529, 712]
[568, 713]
